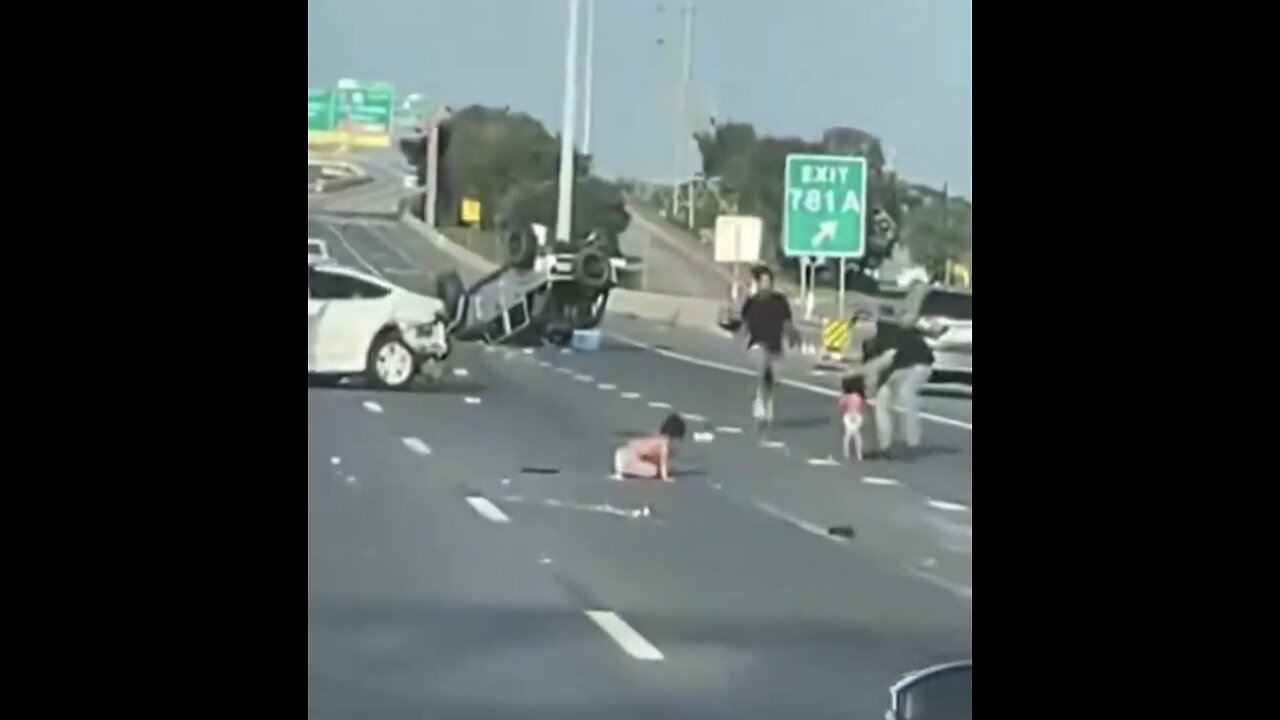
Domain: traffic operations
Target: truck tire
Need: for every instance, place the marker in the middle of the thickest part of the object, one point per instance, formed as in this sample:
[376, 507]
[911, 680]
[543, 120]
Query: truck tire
[592, 269]
[520, 248]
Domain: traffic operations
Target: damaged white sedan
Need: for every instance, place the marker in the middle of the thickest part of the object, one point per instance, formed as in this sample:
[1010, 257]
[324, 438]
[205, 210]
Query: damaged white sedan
[360, 324]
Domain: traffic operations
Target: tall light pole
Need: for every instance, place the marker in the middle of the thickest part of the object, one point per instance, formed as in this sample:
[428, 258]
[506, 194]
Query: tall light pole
[682, 111]
[433, 166]
[587, 82]
[564, 208]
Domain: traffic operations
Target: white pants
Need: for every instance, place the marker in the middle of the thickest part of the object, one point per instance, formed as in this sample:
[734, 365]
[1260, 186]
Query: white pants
[900, 395]
[853, 434]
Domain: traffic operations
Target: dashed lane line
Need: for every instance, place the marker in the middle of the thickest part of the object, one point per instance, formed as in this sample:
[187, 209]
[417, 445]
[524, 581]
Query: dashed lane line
[487, 510]
[631, 642]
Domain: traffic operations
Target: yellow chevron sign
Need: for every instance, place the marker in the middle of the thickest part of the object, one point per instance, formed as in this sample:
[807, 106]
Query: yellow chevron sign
[835, 335]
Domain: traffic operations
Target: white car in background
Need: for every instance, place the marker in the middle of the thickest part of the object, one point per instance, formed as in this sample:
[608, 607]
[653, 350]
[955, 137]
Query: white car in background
[359, 324]
[946, 318]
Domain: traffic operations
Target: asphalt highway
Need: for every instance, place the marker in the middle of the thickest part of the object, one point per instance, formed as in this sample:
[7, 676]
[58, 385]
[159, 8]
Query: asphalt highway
[672, 264]
[469, 555]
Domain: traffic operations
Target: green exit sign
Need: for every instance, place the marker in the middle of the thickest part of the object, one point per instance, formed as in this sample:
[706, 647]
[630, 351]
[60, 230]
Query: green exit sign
[824, 207]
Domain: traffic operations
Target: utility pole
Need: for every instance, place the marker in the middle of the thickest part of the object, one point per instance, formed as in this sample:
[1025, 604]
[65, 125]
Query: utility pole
[433, 167]
[564, 208]
[682, 110]
[588, 83]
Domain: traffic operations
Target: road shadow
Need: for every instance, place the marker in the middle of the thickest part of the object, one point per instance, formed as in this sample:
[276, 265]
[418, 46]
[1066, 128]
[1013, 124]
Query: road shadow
[803, 422]
[617, 347]
[418, 387]
[907, 454]
[947, 392]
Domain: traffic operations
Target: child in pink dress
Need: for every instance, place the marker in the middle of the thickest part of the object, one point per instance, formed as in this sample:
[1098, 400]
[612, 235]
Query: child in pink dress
[649, 456]
[850, 404]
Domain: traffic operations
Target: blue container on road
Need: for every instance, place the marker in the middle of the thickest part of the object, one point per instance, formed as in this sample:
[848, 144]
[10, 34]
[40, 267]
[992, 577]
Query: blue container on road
[586, 340]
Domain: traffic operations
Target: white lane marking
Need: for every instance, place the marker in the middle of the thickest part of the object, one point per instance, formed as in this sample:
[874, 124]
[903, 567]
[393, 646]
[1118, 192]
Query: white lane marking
[729, 429]
[342, 239]
[694, 417]
[335, 460]
[416, 445]
[828, 460]
[630, 395]
[471, 400]
[584, 378]
[802, 524]
[566, 351]
[607, 386]
[527, 351]
[772, 444]
[489, 348]
[870, 480]
[487, 509]
[461, 372]
[944, 505]
[660, 404]
[605, 509]
[956, 588]
[372, 406]
[375, 230]
[631, 642]
[351, 479]
[785, 381]
[703, 437]
[564, 370]
[543, 363]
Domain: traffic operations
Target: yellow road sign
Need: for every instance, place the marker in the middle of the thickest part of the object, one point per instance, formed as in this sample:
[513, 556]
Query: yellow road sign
[835, 335]
[470, 211]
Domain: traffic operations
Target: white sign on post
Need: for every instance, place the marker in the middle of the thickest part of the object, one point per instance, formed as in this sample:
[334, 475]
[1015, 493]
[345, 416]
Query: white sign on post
[738, 239]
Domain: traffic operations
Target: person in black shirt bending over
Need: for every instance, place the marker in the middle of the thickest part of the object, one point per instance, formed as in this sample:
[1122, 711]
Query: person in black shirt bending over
[766, 317]
[898, 360]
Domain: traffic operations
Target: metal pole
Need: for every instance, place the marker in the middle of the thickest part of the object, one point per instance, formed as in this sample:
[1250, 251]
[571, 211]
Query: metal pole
[682, 101]
[433, 170]
[802, 277]
[840, 314]
[588, 83]
[644, 274]
[692, 201]
[564, 208]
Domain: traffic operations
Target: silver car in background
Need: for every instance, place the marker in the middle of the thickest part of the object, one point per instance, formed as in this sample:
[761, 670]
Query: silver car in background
[946, 319]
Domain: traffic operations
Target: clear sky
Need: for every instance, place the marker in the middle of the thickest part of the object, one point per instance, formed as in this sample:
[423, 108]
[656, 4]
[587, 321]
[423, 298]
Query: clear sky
[901, 69]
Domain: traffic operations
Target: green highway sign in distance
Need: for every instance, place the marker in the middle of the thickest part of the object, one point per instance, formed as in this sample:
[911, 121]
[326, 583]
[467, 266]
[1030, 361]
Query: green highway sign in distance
[823, 212]
[368, 109]
[321, 109]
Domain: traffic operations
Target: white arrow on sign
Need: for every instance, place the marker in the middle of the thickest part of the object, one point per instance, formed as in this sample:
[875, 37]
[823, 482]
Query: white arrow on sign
[826, 231]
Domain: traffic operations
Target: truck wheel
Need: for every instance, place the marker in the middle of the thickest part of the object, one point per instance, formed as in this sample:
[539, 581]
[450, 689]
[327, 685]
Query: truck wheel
[390, 362]
[520, 248]
[592, 269]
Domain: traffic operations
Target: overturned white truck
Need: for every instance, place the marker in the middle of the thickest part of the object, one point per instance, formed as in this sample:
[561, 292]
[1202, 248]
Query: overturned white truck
[541, 292]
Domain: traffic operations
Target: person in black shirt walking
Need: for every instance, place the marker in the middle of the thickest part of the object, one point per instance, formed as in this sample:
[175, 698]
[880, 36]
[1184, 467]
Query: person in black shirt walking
[766, 316]
[899, 361]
